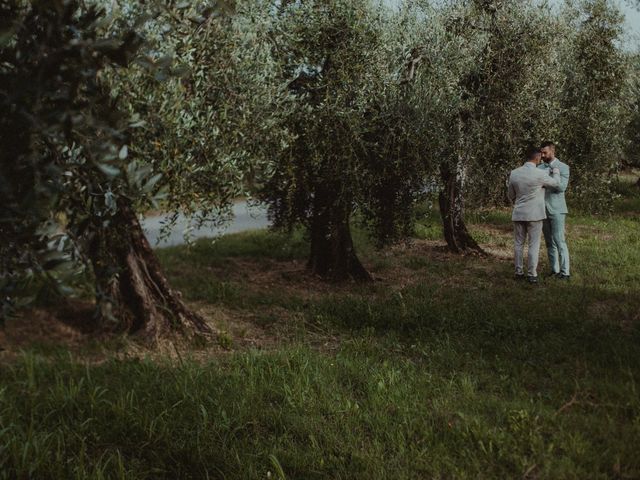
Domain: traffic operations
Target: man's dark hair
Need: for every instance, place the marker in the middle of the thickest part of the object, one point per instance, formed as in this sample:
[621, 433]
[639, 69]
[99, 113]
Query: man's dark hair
[548, 143]
[531, 152]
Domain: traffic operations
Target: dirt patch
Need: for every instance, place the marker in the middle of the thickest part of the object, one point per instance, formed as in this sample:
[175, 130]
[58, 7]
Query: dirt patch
[393, 269]
[40, 327]
[282, 277]
[72, 328]
[277, 319]
[616, 311]
[586, 231]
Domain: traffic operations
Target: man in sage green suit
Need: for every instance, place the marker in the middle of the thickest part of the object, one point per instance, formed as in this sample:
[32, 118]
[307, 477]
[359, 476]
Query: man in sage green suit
[553, 227]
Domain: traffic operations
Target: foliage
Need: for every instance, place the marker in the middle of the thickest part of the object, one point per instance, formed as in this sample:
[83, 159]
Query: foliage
[512, 74]
[593, 103]
[398, 169]
[511, 88]
[211, 105]
[63, 144]
[484, 79]
[354, 143]
[326, 52]
[632, 147]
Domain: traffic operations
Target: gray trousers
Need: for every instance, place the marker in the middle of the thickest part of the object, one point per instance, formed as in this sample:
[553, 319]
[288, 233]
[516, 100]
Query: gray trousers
[520, 231]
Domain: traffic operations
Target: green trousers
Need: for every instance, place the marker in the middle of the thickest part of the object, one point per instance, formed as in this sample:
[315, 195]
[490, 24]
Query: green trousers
[553, 230]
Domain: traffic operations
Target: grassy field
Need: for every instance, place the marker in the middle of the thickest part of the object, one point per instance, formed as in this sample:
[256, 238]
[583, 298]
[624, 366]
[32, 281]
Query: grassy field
[444, 367]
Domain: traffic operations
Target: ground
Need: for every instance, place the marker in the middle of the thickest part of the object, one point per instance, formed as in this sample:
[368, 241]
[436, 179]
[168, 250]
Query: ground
[444, 367]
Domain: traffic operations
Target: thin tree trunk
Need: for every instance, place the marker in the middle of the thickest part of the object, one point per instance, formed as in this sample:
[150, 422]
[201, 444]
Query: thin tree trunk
[130, 286]
[451, 200]
[332, 254]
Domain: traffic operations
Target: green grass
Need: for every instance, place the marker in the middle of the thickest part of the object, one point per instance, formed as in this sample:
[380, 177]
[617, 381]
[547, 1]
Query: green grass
[447, 369]
[628, 191]
[379, 408]
[203, 271]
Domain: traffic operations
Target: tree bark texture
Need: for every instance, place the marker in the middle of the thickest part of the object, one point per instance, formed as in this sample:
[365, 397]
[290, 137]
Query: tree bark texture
[332, 254]
[130, 285]
[451, 200]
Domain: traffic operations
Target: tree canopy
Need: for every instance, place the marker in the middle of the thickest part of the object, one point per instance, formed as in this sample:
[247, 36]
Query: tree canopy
[332, 113]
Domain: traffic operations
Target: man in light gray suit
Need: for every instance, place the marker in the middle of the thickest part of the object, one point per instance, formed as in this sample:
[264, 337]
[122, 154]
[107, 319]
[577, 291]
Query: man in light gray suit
[527, 186]
[556, 205]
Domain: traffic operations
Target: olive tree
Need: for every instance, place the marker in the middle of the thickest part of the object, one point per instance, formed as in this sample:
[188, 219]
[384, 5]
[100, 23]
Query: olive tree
[348, 153]
[516, 92]
[446, 54]
[632, 147]
[486, 72]
[594, 104]
[399, 167]
[69, 185]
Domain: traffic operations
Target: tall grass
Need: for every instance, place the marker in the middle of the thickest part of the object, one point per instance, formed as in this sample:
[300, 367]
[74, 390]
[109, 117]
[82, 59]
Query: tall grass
[377, 409]
[461, 373]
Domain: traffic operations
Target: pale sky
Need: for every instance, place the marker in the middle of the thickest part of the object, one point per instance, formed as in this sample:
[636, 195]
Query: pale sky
[633, 20]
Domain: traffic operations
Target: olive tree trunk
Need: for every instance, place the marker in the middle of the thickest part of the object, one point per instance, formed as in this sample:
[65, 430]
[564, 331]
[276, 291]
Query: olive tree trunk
[332, 254]
[451, 200]
[130, 285]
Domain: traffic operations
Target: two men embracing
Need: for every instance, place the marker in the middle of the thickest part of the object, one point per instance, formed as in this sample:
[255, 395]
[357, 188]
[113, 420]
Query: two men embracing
[537, 190]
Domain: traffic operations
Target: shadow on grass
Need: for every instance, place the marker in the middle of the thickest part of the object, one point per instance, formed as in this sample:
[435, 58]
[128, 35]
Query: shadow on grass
[450, 369]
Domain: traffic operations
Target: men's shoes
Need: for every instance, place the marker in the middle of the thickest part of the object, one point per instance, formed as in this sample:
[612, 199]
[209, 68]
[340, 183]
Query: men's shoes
[519, 276]
[562, 276]
[532, 280]
[553, 275]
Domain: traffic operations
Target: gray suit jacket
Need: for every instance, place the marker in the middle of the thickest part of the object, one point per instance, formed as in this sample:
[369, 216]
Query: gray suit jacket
[554, 197]
[527, 186]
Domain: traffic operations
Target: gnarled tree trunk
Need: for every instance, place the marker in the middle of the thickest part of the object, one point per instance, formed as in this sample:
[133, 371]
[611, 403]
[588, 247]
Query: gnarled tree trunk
[451, 200]
[130, 285]
[332, 253]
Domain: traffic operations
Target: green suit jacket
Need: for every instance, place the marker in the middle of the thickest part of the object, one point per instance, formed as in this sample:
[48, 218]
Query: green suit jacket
[554, 196]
